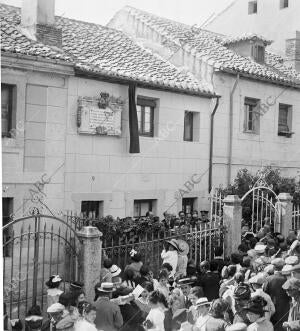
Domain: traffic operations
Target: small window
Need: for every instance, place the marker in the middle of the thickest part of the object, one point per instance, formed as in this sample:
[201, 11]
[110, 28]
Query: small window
[252, 7]
[142, 206]
[92, 209]
[191, 126]
[284, 4]
[251, 124]
[285, 120]
[188, 126]
[145, 112]
[7, 210]
[258, 53]
[7, 109]
[188, 205]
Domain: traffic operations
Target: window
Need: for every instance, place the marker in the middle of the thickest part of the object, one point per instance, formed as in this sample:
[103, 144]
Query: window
[251, 123]
[285, 120]
[7, 109]
[258, 53]
[191, 126]
[284, 4]
[252, 7]
[145, 113]
[7, 210]
[92, 209]
[142, 206]
[188, 126]
[188, 204]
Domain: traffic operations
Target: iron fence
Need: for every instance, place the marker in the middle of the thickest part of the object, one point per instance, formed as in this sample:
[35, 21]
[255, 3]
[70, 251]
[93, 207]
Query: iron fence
[296, 217]
[201, 240]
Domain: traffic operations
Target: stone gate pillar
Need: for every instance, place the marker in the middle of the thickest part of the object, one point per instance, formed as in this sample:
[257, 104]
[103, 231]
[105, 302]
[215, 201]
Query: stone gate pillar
[91, 259]
[232, 216]
[286, 209]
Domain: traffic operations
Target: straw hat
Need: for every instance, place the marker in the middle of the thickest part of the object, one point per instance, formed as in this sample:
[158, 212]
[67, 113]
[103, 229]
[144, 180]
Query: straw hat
[115, 270]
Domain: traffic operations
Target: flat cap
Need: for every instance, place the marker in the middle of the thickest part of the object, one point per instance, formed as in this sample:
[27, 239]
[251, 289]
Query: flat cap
[260, 278]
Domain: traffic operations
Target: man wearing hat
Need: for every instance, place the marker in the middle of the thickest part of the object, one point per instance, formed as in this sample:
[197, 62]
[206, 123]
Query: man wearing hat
[273, 287]
[292, 287]
[257, 283]
[109, 316]
[185, 284]
[202, 306]
[256, 315]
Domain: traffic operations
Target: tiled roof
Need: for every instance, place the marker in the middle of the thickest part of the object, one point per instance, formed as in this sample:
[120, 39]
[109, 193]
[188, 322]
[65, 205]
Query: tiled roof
[246, 36]
[209, 46]
[99, 50]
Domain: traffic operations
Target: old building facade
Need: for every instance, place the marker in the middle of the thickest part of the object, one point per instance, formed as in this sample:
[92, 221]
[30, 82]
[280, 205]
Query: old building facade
[53, 156]
[257, 121]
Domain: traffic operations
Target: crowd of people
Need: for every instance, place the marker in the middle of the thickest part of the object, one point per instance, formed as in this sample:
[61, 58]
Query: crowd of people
[256, 288]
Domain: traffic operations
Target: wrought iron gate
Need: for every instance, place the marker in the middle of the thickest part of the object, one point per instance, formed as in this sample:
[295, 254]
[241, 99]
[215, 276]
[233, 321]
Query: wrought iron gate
[261, 206]
[36, 247]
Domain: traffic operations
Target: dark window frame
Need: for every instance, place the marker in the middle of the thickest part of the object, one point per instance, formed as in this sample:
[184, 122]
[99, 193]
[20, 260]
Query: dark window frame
[285, 129]
[151, 104]
[139, 202]
[252, 104]
[88, 204]
[284, 4]
[258, 53]
[188, 136]
[188, 202]
[252, 7]
[10, 88]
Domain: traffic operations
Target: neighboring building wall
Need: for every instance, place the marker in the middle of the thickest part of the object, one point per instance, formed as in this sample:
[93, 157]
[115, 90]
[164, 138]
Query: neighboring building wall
[270, 21]
[250, 150]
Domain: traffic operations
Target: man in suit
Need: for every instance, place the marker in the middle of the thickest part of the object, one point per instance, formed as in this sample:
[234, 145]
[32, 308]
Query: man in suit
[185, 284]
[210, 280]
[109, 316]
[273, 287]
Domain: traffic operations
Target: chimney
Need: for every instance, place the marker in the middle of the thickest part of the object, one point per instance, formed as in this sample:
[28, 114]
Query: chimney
[38, 21]
[292, 51]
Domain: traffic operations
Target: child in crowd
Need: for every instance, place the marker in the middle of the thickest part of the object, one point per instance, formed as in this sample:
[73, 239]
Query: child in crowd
[105, 274]
[162, 285]
[136, 263]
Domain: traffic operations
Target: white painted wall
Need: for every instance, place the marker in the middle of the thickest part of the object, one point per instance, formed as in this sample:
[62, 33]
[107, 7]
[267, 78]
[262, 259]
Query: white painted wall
[270, 21]
[99, 167]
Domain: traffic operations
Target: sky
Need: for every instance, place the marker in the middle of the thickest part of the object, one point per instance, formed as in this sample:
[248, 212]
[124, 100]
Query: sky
[100, 12]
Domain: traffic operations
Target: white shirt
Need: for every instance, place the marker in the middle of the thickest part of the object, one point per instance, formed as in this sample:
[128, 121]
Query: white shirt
[201, 322]
[170, 257]
[156, 316]
[84, 325]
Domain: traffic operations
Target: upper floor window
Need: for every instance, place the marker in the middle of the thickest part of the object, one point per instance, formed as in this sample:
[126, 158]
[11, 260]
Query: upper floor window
[284, 4]
[252, 7]
[258, 53]
[251, 123]
[145, 112]
[285, 120]
[7, 109]
[191, 126]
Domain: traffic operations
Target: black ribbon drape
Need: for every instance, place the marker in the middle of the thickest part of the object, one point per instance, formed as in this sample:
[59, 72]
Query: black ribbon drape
[133, 122]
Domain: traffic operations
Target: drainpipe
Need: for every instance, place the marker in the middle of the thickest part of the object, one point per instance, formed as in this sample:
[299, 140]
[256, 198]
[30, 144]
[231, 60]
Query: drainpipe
[211, 144]
[231, 129]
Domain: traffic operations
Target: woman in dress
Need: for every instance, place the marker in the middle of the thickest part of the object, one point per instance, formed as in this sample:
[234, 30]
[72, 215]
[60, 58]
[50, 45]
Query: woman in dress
[143, 300]
[54, 290]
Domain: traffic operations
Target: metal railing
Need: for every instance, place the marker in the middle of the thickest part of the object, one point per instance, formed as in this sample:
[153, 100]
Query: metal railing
[296, 217]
